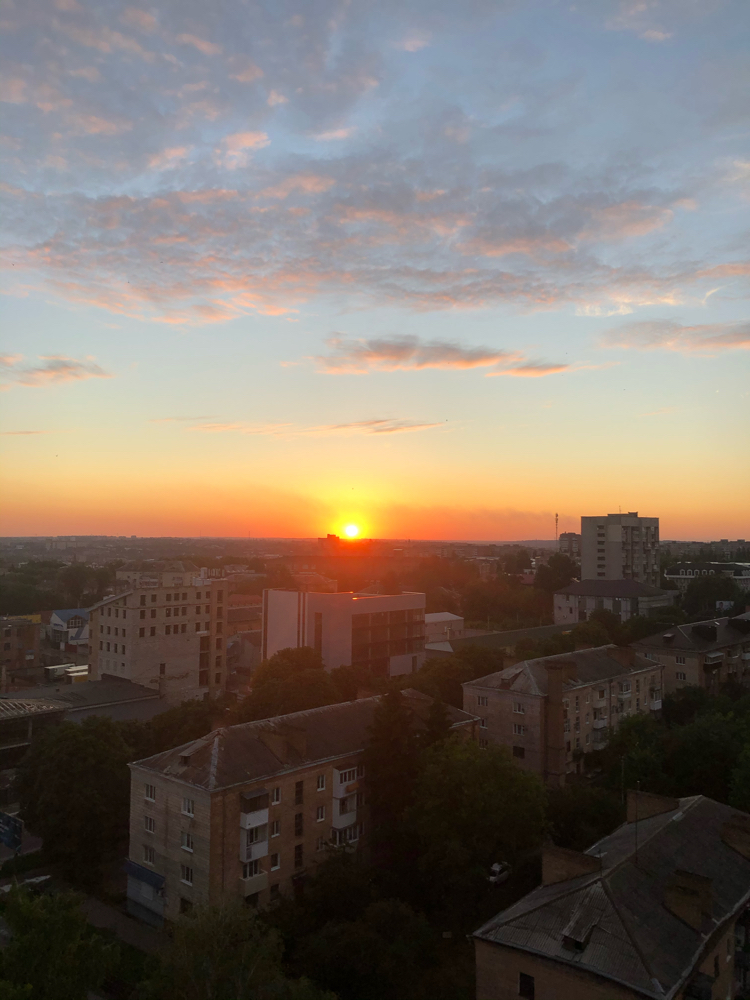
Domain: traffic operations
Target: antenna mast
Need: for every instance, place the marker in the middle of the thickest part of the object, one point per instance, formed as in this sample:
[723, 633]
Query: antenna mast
[556, 520]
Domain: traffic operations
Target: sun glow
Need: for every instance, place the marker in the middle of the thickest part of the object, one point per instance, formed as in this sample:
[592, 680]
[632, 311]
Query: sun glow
[351, 530]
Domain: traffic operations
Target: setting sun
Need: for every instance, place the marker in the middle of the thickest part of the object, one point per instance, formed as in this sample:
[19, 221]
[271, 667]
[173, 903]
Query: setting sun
[351, 530]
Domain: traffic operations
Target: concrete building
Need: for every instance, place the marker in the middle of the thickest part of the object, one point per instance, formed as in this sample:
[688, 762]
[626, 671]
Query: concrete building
[551, 711]
[620, 547]
[21, 719]
[569, 544]
[383, 633]
[247, 811]
[704, 654]
[441, 625]
[682, 574]
[624, 598]
[656, 911]
[20, 648]
[166, 631]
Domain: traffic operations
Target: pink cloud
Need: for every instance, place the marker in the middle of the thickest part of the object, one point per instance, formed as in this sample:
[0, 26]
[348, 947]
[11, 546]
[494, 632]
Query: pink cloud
[55, 368]
[207, 48]
[667, 335]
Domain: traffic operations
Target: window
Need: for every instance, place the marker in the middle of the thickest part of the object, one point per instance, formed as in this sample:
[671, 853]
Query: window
[299, 790]
[525, 986]
[153, 612]
[681, 675]
[143, 599]
[184, 610]
[346, 776]
[518, 730]
[187, 841]
[186, 875]
[169, 598]
[149, 855]
[149, 824]
[298, 824]
[321, 782]
[183, 627]
[320, 844]
[275, 796]
[188, 807]
[153, 630]
[320, 814]
[218, 643]
[481, 699]
[519, 708]
[519, 752]
[251, 868]
[220, 596]
[483, 744]
[275, 862]
[483, 723]
[198, 610]
[298, 856]
[679, 659]
[185, 905]
[217, 679]
[275, 891]
[167, 630]
[141, 633]
[142, 614]
[360, 770]
[184, 597]
[275, 827]
[601, 694]
[101, 645]
[122, 648]
[149, 792]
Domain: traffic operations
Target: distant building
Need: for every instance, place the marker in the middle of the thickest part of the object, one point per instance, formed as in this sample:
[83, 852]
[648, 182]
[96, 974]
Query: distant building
[658, 909]
[119, 700]
[442, 625]
[20, 648]
[620, 547]
[704, 654]
[310, 581]
[166, 631]
[569, 544]
[248, 811]
[383, 633]
[552, 710]
[68, 630]
[22, 719]
[504, 642]
[682, 574]
[624, 598]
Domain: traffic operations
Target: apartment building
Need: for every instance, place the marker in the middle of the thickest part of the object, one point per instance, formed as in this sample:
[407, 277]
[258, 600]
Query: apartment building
[658, 909]
[682, 574]
[551, 711]
[704, 654]
[569, 543]
[620, 547]
[20, 648]
[624, 598]
[166, 630]
[247, 811]
[383, 633]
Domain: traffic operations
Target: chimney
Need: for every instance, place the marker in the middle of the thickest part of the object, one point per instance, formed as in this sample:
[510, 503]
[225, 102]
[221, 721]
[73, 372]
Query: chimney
[625, 655]
[689, 897]
[559, 864]
[736, 834]
[643, 805]
[556, 756]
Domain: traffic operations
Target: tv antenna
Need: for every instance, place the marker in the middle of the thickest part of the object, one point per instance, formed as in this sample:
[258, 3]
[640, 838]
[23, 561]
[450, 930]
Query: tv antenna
[556, 520]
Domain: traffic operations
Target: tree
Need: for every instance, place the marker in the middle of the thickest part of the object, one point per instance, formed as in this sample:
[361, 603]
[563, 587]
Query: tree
[75, 579]
[74, 792]
[219, 952]
[292, 680]
[579, 815]
[590, 633]
[682, 706]
[704, 591]
[471, 807]
[556, 574]
[52, 951]
[609, 621]
[442, 678]
[438, 724]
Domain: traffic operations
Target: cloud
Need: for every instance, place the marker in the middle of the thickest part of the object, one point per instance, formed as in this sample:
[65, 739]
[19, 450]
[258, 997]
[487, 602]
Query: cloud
[207, 48]
[172, 420]
[233, 152]
[336, 133]
[414, 41]
[382, 425]
[275, 98]
[134, 17]
[56, 368]
[668, 335]
[357, 357]
[20, 433]
[303, 183]
[169, 158]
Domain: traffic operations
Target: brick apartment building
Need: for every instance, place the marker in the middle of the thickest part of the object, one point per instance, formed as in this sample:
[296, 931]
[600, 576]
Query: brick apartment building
[657, 910]
[248, 810]
[552, 710]
[166, 629]
[20, 648]
[383, 633]
[624, 598]
[705, 654]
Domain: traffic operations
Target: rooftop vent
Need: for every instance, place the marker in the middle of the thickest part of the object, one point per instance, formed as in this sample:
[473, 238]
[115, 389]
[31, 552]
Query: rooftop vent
[668, 636]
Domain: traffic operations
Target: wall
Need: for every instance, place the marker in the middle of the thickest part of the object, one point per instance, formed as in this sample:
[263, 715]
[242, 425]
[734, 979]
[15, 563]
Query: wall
[500, 718]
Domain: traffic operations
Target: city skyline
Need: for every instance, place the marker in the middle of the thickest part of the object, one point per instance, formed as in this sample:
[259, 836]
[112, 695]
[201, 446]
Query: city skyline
[428, 271]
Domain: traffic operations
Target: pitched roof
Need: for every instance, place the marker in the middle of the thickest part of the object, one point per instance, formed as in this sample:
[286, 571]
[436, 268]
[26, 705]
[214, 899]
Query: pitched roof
[592, 665]
[239, 754]
[728, 632]
[67, 613]
[634, 939]
[613, 588]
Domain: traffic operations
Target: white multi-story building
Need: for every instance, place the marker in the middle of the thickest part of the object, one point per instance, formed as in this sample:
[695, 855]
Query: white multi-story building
[620, 547]
[165, 630]
[383, 632]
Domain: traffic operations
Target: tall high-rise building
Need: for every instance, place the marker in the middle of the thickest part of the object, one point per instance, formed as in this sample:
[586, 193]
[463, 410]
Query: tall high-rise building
[165, 630]
[382, 632]
[620, 547]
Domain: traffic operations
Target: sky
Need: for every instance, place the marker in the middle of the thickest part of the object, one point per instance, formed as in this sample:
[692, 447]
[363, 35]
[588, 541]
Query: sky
[438, 270]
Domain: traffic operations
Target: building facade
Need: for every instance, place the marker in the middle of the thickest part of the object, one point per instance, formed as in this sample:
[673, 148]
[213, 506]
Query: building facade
[551, 711]
[624, 598]
[569, 543]
[249, 810]
[620, 547]
[658, 909]
[167, 631]
[682, 574]
[68, 630]
[20, 648]
[382, 633]
[703, 654]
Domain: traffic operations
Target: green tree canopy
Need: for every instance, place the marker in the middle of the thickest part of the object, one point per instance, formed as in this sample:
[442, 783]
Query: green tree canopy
[579, 815]
[292, 680]
[704, 591]
[556, 573]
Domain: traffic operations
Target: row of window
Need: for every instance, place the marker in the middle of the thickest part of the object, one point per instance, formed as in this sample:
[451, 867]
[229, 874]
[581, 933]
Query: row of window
[179, 612]
[109, 647]
[177, 596]
[109, 631]
[188, 805]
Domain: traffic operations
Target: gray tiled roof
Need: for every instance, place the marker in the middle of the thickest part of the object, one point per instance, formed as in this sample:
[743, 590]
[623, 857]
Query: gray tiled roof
[635, 939]
[238, 754]
[592, 665]
[683, 636]
[613, 588]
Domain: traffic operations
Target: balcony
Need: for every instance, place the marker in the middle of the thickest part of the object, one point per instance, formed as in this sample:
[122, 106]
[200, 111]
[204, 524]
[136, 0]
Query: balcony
[258, 817]
[599, 724]
[339, 820]
[600, 702]
[714, 659]
[624, 695]
[655, 704]
[249, 886]
[341, 790]
[251, 852]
